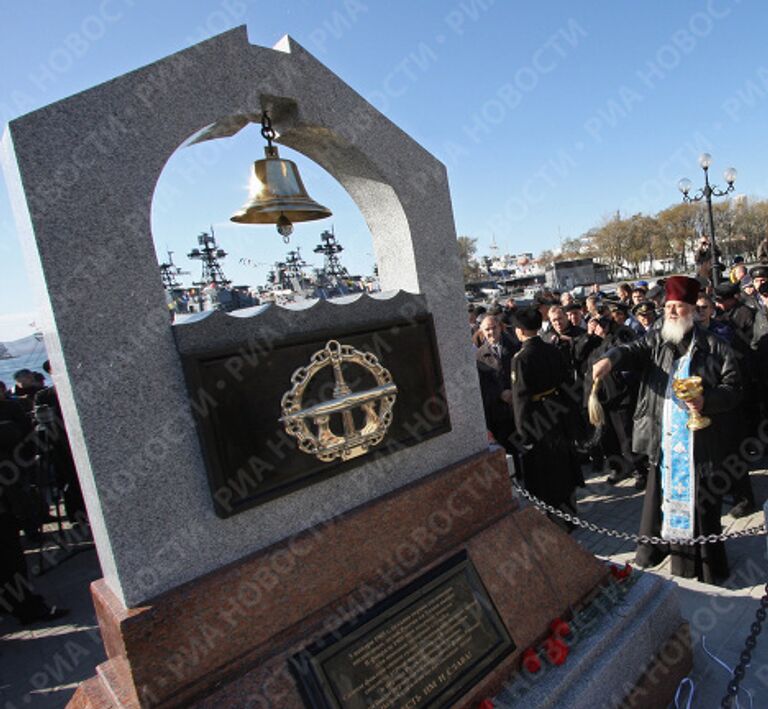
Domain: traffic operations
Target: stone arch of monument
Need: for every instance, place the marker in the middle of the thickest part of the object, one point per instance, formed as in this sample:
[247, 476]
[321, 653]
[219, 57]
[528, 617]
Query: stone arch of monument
[82, 173]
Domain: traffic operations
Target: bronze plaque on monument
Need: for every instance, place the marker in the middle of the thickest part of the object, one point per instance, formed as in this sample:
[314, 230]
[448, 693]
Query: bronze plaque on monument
[423, 647]
[277, 415]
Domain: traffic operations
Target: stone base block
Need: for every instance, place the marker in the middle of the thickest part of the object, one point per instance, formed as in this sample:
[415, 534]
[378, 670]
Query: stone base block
[635, 657]
[223, 640]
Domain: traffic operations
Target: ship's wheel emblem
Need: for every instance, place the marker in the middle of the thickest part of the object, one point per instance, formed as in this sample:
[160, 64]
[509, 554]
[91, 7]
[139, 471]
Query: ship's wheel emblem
[312, 426]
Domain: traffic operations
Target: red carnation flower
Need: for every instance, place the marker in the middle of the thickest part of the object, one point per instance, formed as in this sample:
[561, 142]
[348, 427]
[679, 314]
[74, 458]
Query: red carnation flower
[531, 660]
[485, 704]
[556, 649]
[560, 628]
[620, 573]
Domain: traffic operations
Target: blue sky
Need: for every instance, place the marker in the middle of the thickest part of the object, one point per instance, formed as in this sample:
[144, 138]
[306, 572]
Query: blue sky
[549, 116]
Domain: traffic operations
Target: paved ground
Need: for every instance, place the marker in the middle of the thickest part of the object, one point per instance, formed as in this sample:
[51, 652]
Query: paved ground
[720, 616]
[40, 667]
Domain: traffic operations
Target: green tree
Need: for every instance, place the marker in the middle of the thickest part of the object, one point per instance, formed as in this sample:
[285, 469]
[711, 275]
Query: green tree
[611, 241]
[678, 231]
[469, 265]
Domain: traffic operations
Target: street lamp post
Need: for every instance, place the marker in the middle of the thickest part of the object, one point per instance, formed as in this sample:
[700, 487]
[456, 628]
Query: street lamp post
[706, 192]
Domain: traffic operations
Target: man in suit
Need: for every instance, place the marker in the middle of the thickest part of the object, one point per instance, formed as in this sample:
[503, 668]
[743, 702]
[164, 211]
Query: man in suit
[494, 359]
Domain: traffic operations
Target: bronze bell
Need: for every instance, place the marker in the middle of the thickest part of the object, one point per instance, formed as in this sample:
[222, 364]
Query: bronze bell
[278, 195]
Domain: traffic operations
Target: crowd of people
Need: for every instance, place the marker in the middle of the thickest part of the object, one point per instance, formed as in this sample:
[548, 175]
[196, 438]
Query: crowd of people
[540, 366]
[37, 469]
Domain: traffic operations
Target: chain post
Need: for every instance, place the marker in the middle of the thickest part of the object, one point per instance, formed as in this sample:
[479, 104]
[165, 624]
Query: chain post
[746, 654]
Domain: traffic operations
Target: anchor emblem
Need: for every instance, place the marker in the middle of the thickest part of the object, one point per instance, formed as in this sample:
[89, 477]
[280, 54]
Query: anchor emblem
[311, 425]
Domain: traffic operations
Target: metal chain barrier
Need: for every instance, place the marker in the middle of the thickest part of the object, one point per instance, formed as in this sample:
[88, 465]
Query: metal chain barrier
[762, 612]
[641, 539]
[746, 654]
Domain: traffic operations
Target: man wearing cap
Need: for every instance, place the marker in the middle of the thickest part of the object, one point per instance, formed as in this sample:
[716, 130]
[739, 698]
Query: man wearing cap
[575, 316]
[645, 315]
[759, 275]
[748, 291]
[683, 495]
[656, 296]
[622, 318]
[542, 410]
[731, 310]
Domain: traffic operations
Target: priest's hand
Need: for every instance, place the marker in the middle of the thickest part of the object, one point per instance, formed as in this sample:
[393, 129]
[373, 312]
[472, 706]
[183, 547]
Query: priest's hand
[601, 368]
[506, 396]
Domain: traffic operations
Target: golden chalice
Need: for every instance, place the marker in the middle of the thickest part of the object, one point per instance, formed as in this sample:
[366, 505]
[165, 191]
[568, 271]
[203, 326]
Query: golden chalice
[687, 389]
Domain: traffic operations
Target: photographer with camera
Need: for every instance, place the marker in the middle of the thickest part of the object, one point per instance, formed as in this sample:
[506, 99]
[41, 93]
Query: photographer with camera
[705, 264]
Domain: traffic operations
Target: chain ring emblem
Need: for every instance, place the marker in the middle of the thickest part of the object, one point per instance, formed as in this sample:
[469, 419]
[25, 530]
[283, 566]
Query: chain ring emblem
[311, 425]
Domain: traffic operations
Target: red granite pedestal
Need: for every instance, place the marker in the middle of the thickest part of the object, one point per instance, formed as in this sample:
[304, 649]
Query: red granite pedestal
[223, 640]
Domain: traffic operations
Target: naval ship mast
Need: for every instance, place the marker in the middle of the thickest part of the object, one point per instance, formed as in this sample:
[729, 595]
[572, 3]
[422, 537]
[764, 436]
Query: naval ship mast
[332, 278]
[210, 255]
[169, 271]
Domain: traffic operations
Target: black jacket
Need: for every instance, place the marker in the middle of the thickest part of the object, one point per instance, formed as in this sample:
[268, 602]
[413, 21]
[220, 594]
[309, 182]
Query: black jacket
[543, 417]
[565, 346]
[711, 359]
[618, 390]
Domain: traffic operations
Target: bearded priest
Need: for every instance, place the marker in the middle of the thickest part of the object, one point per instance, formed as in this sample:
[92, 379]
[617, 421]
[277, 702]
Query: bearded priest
[686, 480]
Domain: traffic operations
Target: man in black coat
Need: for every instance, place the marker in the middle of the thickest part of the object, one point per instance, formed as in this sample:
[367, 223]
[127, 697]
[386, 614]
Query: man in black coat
[563, 336]
[17, 595]
[683, 496]
[54, 449]
[739, 319]
[543, 411]
[739, 316]
[618, 396]
[494, 358]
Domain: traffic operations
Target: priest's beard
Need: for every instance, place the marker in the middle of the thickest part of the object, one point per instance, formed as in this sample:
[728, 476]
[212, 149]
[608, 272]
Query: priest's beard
[675, 330]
